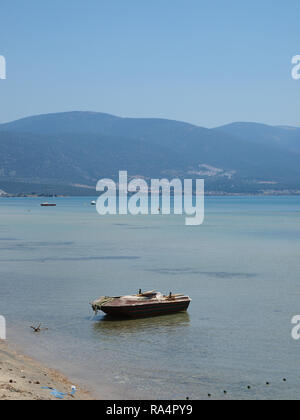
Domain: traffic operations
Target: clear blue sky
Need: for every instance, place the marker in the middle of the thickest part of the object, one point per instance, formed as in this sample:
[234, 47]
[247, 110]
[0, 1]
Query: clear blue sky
[205, 62]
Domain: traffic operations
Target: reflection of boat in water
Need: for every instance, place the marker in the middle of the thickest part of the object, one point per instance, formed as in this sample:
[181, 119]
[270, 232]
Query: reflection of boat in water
[142, 305]
[48, 205]
[110, 326]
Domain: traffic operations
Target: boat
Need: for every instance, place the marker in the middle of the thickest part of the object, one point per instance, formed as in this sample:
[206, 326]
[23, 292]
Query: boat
[142, 304]
[93, 203]
[48, 204]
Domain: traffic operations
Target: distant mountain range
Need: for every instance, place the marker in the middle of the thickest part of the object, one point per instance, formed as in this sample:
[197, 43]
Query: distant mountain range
[66, 153]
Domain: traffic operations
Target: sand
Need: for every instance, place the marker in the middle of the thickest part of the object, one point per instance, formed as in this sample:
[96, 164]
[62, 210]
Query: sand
[22, 378]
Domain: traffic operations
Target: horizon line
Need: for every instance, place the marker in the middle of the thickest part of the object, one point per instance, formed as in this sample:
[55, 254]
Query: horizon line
[286, 126]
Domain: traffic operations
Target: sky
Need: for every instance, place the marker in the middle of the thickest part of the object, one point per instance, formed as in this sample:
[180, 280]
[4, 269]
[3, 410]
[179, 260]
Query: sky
[207, 62]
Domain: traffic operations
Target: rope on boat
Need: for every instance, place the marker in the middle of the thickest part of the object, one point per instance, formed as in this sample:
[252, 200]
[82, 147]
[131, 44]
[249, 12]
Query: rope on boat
[97, 304]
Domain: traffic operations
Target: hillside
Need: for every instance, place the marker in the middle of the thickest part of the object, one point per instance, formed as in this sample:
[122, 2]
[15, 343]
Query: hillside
[66, 150]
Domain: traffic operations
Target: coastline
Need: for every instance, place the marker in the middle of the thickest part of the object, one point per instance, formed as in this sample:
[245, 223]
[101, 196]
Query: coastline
[22, 378]
[260, 193]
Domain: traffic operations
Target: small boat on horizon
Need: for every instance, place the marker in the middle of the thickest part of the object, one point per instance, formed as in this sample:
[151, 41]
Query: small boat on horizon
[48, 204]
[146, 304]
[93, 203]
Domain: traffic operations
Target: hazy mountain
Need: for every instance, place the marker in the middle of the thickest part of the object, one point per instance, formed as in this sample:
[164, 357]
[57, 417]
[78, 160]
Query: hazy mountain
[286, 137]
[78, 148]
[65, 122]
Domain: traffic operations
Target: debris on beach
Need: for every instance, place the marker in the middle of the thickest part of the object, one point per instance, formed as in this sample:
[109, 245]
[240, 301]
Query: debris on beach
[61, 395]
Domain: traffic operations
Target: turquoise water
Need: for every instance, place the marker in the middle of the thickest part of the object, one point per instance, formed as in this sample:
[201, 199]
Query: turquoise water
[241, 269]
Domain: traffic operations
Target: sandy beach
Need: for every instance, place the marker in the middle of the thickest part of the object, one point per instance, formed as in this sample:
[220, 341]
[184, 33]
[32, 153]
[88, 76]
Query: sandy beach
[22, 378]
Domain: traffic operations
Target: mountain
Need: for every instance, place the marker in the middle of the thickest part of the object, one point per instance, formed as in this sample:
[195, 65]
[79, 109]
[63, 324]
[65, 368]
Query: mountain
[65, 122]
[68, 152]
[286, 137]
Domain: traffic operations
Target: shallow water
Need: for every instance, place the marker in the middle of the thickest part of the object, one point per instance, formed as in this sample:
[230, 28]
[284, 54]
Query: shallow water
[241, 269]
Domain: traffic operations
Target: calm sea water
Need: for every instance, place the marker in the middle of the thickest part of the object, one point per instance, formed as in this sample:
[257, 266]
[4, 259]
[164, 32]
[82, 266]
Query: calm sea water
[241, 268]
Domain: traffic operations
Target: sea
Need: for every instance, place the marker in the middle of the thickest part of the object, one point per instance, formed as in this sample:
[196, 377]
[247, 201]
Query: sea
[241, 268]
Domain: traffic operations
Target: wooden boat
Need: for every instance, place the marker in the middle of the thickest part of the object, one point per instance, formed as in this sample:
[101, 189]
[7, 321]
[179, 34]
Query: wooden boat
[48, 205]
[142, 305]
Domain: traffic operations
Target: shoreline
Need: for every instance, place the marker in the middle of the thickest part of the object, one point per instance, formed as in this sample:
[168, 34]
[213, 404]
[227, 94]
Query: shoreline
[261, 193]
[23, 378]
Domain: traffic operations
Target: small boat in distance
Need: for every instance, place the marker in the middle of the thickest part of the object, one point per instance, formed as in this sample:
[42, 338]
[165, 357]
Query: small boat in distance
[142, 305]
[48, 205]
[93, 203]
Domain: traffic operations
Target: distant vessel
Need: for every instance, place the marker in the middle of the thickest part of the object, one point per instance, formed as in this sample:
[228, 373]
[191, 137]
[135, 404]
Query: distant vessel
[142, 305]
[48, 204]
[93, 203]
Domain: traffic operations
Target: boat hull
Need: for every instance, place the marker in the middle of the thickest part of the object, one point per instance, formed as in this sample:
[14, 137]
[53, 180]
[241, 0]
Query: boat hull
[48, 205]
[146, 310]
